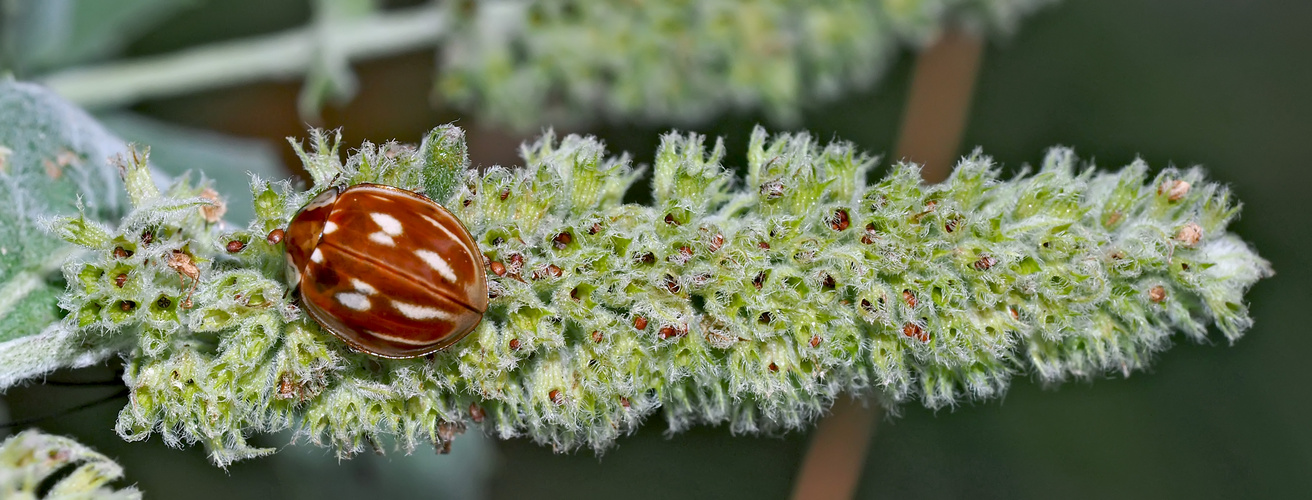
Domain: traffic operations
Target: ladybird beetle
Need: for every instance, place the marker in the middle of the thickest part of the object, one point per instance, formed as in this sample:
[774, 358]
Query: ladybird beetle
[388, 271]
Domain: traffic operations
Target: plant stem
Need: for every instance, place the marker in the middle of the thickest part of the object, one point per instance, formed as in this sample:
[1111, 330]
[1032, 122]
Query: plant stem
[833, 464]
[939, 103]
[932, 125]
[281, 55]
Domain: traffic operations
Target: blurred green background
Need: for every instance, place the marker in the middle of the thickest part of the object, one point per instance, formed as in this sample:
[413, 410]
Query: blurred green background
[1223, 84]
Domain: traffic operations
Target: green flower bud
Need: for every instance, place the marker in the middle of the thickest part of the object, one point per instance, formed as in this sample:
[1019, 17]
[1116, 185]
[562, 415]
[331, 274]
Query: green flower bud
[134, 169]
[752, 303]
[81, 231]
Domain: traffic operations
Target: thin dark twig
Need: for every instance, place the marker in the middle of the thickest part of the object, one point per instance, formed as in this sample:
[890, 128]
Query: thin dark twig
[83, 383]
[29, 421]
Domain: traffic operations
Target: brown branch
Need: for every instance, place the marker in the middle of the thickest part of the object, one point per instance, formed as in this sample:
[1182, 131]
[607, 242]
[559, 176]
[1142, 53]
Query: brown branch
[935, 116]
[939, 103]
[832, 466]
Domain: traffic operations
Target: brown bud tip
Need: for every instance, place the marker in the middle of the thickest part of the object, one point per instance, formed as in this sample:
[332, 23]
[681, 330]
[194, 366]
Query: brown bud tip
[815, 341]
[915, 331]
[763, 245]
[774, 367]
[909, 298]
[639, 322]
[666, 332]
[624, 401]
[1157, 294]
[286, 386]
[1112, 219]
[476, 413]
[1174, 189]
[498, 268]
[669, 219]
[839, 221]
[562, 240]
[553, 270]
[557, 397]
[127, 305]
[671, 284]
[275, 236]
[596, 336]
[1190, 234]
[215, 210]
[235, 246]
[120, 280]
[122, 253]
[514, 344]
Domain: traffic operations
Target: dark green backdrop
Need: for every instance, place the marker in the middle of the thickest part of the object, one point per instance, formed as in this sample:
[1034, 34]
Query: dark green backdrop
[1224, 84]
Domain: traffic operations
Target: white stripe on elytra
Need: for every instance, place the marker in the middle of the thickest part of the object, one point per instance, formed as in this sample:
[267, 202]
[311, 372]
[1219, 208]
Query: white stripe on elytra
[414, 311]
[363, 287]
[398, 340]
[469, 284]
[354, 301]
[382, 239]
[317, 256]
[329, 227]
[438, 264]
[389, 224]
[448, 232]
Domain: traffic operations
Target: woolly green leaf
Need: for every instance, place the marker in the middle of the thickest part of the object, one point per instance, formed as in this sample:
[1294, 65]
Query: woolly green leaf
[54, 159]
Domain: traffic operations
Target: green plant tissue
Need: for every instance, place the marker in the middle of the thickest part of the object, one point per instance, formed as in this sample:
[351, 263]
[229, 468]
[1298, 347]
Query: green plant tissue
[54, 159]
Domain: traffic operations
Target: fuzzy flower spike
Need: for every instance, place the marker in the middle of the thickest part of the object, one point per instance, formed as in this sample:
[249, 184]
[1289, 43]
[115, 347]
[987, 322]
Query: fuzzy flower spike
[751, 301]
